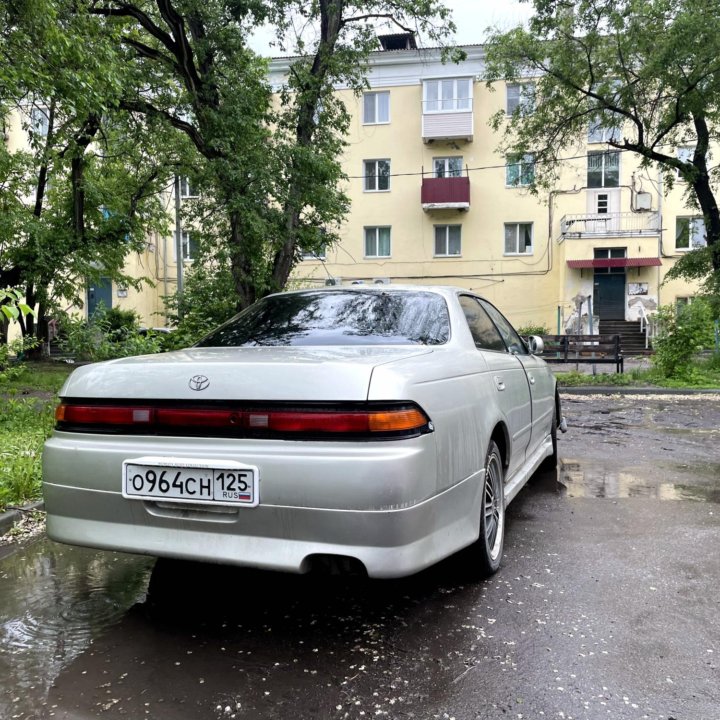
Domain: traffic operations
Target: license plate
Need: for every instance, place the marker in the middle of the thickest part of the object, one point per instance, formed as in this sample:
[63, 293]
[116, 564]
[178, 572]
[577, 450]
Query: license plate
[190, 481]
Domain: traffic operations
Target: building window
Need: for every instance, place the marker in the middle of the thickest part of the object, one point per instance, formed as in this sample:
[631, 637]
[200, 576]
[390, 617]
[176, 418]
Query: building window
[520, 171]
[601, 129]
[39, 121]
[448, 95]
[613, 253]
[447, 167]
[447, 240]
[603, 169]
[520, 98]
[685, 154]
[188, 246]
[186, 189]
[377, 175]
[376, 108]
[313, 255]
[377, 242]
[518, 238]
[689, 233]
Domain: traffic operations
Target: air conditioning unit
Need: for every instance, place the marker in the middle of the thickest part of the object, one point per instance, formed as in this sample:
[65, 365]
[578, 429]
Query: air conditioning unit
[643, 201]
[381, 281]
[333, 281]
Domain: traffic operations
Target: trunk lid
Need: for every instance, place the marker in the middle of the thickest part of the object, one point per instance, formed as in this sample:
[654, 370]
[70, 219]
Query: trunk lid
[277, 373]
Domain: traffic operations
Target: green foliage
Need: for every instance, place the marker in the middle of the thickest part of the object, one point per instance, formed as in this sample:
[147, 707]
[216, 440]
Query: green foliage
[108, 335]
[11, 356]
[685, 331]
[533, 329]
[24, 426]
[207, 301]
[93, 174]
[12, 305]
[639, 69]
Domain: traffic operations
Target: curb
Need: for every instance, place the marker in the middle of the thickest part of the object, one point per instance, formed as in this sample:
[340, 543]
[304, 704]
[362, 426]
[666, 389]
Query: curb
[10, 517]
[621, 390]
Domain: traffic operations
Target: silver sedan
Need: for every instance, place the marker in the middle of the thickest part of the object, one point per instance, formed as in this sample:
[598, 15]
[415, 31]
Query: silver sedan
[385, 427]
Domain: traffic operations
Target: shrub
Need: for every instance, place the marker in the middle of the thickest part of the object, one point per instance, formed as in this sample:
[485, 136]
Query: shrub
[110, 334]
[533, 329]
[684, 332]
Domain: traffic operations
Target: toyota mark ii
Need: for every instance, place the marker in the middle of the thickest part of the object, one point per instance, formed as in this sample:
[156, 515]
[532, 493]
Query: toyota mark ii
[383, 425]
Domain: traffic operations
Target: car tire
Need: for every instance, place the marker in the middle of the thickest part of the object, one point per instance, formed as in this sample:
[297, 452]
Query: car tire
[489, 546]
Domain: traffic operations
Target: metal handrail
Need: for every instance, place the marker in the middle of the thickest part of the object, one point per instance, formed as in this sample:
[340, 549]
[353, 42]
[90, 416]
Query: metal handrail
[647, 325]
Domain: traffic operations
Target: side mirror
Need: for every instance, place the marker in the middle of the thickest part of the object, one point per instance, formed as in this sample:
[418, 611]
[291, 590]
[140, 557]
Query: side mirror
[535, 344]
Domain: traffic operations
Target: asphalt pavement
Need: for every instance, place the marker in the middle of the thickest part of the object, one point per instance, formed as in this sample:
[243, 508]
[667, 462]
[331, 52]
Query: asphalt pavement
[606, 606]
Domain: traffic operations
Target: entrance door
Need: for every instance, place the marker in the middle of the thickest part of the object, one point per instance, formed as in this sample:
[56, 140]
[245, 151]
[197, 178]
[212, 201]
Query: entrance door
[99, 292]
[609, 296]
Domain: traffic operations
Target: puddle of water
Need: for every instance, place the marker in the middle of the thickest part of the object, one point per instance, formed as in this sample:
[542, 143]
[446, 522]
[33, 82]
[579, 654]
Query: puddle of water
[577, 478]
[54, 600]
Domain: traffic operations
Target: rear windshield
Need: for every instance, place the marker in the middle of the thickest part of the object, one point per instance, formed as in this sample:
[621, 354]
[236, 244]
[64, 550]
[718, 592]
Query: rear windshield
[338, 317]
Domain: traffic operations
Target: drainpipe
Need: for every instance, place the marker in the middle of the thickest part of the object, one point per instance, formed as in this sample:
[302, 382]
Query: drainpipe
[178, 239]
[660, 234]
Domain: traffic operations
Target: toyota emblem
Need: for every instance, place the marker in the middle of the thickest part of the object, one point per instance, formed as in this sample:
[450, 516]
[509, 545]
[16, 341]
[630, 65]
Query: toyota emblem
[199, 382]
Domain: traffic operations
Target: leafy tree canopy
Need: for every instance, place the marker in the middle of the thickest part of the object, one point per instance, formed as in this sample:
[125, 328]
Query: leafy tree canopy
[646, 70]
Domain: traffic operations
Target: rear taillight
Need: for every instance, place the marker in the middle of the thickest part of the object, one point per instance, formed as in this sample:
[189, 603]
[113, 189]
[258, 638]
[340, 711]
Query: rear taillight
[278, 420]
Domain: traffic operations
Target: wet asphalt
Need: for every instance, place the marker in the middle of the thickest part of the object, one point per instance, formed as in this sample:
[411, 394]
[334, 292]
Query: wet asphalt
[607, 606]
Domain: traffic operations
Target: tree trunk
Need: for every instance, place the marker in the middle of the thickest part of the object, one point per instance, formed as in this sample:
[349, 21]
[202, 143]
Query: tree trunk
[240, 266]
[711, 213]
[331, 21]
[704, 191]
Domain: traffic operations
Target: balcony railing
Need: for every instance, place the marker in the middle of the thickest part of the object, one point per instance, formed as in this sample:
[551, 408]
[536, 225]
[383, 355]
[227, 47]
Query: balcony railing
[610, 224]
[445, 193]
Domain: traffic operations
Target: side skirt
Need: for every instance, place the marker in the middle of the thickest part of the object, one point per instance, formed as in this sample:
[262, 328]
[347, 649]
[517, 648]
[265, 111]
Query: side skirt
[516, 483]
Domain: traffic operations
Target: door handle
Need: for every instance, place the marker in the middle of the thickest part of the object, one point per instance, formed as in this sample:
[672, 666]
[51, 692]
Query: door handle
[531, 378]
[499, 383]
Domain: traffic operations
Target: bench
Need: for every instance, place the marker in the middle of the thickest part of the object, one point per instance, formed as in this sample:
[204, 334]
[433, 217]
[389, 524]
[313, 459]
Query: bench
[592, 349]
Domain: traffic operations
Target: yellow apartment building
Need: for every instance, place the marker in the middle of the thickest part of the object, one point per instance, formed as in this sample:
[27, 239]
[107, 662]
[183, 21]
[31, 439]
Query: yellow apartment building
[433, 202]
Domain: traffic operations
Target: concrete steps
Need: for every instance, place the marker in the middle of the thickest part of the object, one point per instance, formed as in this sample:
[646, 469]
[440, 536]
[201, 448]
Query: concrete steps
[632, 340]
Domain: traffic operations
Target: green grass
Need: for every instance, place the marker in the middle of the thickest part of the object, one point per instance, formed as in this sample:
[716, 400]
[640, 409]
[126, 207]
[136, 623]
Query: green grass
[700, 374]
[27, 403]
[36, 377]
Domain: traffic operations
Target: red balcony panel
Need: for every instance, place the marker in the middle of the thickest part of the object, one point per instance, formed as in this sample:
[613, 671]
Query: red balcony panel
[448, 192]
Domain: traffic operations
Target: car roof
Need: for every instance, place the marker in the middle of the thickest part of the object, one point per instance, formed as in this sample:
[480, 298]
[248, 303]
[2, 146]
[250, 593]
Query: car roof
[445, 290]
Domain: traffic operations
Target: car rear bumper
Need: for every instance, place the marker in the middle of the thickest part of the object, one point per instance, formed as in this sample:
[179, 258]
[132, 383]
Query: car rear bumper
[383, 505]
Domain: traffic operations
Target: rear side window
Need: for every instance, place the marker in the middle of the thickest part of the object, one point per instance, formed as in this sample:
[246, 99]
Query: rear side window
[338, 317]
[484, 332]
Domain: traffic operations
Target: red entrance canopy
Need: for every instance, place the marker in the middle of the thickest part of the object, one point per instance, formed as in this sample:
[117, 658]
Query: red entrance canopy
[614, 262]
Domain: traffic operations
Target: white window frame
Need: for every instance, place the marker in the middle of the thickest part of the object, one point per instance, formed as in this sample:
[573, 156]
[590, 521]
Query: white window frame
[520, 95]
[602, 134]
[447, 171]
[684, 153]
[445, 104]
[376, 230]
[696, 232]
[522, 163]
[372, 175]
[309, 255]
[517, 226]
[445, 229]
[41, 113]
[186, 189]
[376, 119]
[604, 154]
[185, 243]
